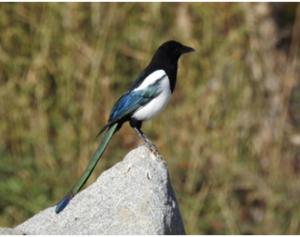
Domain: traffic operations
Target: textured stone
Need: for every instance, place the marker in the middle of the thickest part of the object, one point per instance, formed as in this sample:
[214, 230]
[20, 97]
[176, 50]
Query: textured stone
[9, 231]
[133, 197]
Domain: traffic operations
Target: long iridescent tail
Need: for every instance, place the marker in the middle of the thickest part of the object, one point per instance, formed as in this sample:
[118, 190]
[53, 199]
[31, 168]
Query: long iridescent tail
[88, 170]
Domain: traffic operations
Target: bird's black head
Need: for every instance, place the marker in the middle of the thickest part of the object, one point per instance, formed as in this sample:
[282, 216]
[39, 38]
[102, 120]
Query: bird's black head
[170, 52]
[166, 58]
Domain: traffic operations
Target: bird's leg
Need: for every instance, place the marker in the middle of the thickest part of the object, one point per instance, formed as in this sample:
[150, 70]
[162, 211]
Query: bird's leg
[136, 125]
[146, 141]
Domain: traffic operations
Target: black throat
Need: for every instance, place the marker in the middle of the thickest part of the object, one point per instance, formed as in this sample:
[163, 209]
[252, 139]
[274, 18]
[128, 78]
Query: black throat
[169, 65]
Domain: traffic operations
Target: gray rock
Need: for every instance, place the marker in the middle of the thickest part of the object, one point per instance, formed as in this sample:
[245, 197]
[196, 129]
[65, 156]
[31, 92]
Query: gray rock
[133, 197]
[9, 231]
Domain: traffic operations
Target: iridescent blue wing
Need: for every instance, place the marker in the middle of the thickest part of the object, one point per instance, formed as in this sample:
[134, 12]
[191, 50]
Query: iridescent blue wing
[131, 101]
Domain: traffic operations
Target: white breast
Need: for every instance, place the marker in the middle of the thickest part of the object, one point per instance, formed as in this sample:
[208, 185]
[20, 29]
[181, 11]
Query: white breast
[157, 104]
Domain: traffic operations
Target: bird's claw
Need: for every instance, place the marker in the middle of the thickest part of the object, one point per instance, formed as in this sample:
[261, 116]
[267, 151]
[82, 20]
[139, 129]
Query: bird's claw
[151, 147]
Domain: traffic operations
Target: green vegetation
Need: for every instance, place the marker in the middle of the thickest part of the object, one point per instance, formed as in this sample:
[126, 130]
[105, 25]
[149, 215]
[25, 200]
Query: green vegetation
[226, 135]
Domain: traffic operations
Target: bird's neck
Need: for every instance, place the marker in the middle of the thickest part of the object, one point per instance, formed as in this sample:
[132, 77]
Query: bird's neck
[169, 67]
[171, 71]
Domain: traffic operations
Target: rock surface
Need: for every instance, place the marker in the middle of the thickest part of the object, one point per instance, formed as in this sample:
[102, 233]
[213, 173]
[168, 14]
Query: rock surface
[133, 197]
[9, 231]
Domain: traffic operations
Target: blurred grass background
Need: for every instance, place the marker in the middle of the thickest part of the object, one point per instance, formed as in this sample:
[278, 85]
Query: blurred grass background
[230, 135]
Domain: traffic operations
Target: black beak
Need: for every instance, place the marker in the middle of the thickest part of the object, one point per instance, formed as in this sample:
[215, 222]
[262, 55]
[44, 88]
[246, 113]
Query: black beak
[186, 49]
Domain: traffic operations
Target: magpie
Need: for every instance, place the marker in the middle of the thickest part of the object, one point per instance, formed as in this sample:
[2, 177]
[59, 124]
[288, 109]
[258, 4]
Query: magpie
[145, 98]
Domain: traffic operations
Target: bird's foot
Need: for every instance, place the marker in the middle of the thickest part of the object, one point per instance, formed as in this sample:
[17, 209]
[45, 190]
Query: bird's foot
[147, 142]
[151, 147]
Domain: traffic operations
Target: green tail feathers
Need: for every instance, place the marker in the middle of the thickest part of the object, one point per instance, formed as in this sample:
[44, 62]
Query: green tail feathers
[89, 169]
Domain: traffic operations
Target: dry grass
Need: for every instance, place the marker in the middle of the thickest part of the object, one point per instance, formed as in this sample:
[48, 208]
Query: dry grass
[226, 135]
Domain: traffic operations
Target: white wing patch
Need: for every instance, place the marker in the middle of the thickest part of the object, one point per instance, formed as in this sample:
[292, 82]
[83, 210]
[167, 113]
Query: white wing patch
[158, 103]
[151, 79]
